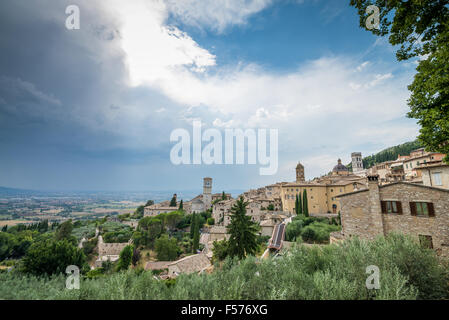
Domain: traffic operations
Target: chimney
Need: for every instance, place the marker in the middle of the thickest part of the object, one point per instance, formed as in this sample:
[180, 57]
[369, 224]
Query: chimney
[375, 210]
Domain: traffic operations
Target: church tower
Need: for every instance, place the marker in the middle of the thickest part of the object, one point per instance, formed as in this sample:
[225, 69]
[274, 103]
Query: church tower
[357, 163]
[207, 193]
[300, 173]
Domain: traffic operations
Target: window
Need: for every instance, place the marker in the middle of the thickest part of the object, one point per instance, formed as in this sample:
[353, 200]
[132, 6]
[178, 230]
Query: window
[332, 190]
[422, 209]
[437, 179]
[425, 241]
[391, 207]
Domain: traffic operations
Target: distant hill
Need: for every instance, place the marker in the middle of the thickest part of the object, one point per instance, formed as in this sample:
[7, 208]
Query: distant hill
[389, 154]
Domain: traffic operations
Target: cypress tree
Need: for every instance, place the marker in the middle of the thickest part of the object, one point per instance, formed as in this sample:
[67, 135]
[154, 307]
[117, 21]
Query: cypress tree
[297, 205]
[181, 206]
[196, 236]
[300, 211]
[243, 232]
[192, 225]
[305, 204]
[223, 196]
[173, 202]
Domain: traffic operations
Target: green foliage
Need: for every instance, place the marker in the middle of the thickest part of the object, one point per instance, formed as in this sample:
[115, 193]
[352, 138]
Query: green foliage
[194, 220]
[89, 246]
[223, 196]
[52, 257]
[136, 256]
[305, 203]
[310, 229]
[429, 102]
[114, 232]
[95, 273]
[270, 207]
[243, 231]
[166, 248]
[138, 214]
[421, 29]
[196, 234]
[85, 231]
[318, 232]
[181, 206]
[333, 272]
[220, 250]
[125, 258]
[211, 221]
[390, 154]
[173, 202]
[124, 217]
[64, 230]
[15, 244]
[298, 204]
[118, 236]
[148, 230]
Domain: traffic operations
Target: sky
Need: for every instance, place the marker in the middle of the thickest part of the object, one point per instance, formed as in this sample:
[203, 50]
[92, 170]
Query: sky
[94, 108]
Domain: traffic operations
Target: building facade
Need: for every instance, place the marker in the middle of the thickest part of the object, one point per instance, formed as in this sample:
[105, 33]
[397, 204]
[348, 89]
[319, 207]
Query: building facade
[402, 207]
[322, 192]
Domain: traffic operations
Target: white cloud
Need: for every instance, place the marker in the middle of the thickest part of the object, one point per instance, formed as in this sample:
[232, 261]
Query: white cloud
[215, 14]
[154, 49]
[327, 106]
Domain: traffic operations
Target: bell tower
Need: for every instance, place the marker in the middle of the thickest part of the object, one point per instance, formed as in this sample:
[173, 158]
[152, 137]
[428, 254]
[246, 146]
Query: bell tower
[207, 192]
[300, 173]
[357, 163]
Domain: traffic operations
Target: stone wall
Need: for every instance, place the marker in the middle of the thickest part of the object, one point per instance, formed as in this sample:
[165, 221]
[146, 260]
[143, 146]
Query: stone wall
[106, 249]
[361, 215]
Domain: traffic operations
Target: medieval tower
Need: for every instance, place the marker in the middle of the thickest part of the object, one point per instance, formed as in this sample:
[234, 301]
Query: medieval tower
[357, 163]
[207, 193]
[300, 173]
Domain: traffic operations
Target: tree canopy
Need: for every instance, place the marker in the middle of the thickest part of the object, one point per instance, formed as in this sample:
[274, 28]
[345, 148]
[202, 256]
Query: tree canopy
[242, 230]
[420, 29]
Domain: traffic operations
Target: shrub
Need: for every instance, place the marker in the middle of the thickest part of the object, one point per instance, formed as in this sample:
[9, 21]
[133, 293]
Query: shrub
[166, 248]
[318, 232]
[125, 258]
[52, 257]
[407, 271]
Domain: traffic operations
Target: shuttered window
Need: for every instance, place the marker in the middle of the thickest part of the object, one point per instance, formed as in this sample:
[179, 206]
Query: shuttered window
[391, 207]
[424, 209]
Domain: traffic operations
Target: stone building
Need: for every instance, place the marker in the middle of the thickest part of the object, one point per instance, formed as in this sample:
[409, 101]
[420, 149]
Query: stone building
[300, 173]
[403, 207]
[357, 163]
[221, 211]
[109, 251]
[434, 174]
[322, 192]
[155, 210]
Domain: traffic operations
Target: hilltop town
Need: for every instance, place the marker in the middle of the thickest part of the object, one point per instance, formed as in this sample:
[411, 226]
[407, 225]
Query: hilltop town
[408, 195]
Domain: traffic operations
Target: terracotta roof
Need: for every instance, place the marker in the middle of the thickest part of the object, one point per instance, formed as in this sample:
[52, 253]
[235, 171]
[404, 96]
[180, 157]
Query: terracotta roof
[193, 263]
